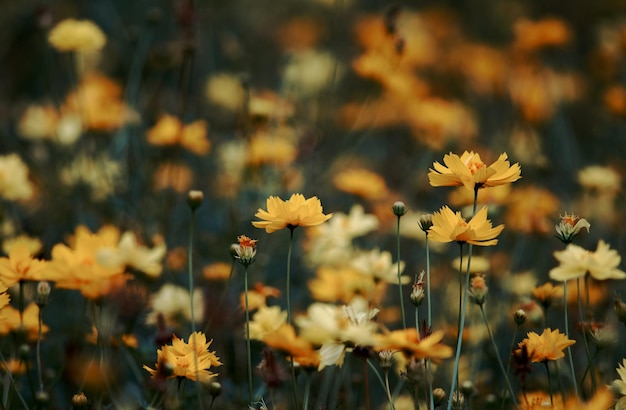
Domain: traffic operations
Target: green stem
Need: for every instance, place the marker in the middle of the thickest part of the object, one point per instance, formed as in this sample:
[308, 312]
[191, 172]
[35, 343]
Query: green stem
[39, 367]
[293, 373]
[399, 277]
[307, 391]
[508, 364]
[249, 350]
[585, 342]
[495, 348]
[380, 379]
[549, 382]
[191, 299]
[429, 305]
[569, 350]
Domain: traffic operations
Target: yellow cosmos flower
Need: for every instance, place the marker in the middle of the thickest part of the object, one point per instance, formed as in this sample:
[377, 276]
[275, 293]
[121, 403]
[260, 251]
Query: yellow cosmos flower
[296, 211]
[169, 130]
[547, 346]
[10, 321]
[575, 262]
[449, 226]
[409, 343]
[186, 360]
[20, 265]
[470, 171]
[361, 182]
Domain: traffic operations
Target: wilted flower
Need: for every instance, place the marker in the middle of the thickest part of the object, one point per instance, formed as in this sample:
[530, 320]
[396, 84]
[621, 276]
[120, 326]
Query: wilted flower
[76, 35]
[547, 346]
[186, 360]
[570, 226]
[576, 262]
[449, 226]
[296, 211]
[470, 171]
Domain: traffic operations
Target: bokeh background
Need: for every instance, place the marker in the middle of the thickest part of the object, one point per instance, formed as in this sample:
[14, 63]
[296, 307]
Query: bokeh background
[351, 101]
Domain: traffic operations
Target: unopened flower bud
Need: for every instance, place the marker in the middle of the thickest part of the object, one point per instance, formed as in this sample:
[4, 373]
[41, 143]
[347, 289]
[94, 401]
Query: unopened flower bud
[519, 316]
[79, 401]
[425, 222]
[478, 290]
[215, 389]
[467, 388]
[458, 400]
[42, 398]
[43, 293]
[399, 208]
[194, 199]
[385, 358]
[24, 351]
[439, 396]
[417, 291]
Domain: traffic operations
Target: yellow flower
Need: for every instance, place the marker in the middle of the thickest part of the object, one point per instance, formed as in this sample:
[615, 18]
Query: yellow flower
[547, 293]
[273, 149]
[14, 183]
[470, 171]
[296, 211]
[449, 226]
[186, 360]
[76, 35]
[20, 265]
[217, 271]
[169, 131]
[361, 182]
[575, 262]
[10, 321]
[619, 385]
[408, 342]
[130, 253]
[547, 346]
[266, 321]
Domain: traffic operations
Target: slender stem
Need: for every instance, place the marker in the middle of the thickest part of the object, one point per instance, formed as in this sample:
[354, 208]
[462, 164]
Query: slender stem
[508, 364]
[429, 304]
[585, 342]
[39, 367]
[307, 392]
[399, 277]
[459, 342]
[495, 348]
[549, 382]
[191, 302]
[293, 373]
[569, 350]
[380, 379]
[367, 386]
[249, 350]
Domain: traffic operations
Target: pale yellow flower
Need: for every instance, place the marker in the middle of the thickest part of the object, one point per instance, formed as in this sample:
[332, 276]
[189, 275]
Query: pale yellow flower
[173, 302]
[449, 226]
[226, 90]
[619, 385]
[14, 183]
[361, 182]
[409, 343]
[265, 321]
[273, 149]
[20, 266]
[576, 262]
[378, 265]
[570, 226]
[600, 178]
[169, 130]
[130, 253]
[470, 171]
[296, 211]
[76, 35]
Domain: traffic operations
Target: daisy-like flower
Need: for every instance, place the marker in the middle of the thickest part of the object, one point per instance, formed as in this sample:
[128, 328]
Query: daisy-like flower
[449, 226]
[547, 346]
[409, 343]
[570, 226]
[20, 265]
[130, 253]
[11, 320]
[576, 262]
[186, 360]
[470, 171]
[169, 130]
[294, 212]
[547, 293]
[619, 385]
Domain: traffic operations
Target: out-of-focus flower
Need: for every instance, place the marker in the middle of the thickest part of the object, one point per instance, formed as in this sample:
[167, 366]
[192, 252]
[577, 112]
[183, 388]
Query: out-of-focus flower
[14, 183]
[614, 99]
[470, 171]
[603, 335]
[226, 90]
[527, 146]
[570, 226]
[276, 149]
[76, 35]
[547, 294]
[268, 105]
[619, 385]
[449, 226]
[177, 177]
[217, 271]
[130, 253]
[409, 343]
[361, 182]
[173, 303]
[531, 210]
[498, 195]
[341, 283]
[98, 101]
[102, 174]
[576, 262]
[484, 67]
[378, 265]
[10, 321]
[257, 296]
[534, 35]
[603, 399]
[300, 33]
[266, 320]
[32, 244]
[600, 178]
[21, 266]
[294, 212]
[4, 296]
[38, 122]
[187, 360]
[547, 346]
[477, 264]
[285, 340]
[310, 71]
[478, 289]
[170, 131]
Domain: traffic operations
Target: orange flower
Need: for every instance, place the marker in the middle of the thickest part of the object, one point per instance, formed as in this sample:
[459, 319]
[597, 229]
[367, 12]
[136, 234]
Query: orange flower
[449, 226]
[547, 293]
[169, 131]
[186, 360]
[547, 346]
[470, 171]
[217, 271]
[296, 211]
[408, 342]
[20, 265]
[245, 251]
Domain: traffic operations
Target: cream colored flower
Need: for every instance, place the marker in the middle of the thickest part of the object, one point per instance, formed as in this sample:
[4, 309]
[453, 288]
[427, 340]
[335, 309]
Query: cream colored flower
[266, 320]
[378, 265]
[570, 226]
[226, 90]
[600, 178]
[576, 262]
[76, 35]
[129, 253]
[310, 71]
[102, 174]
[173, 302]
[619, 385]
[14, 183]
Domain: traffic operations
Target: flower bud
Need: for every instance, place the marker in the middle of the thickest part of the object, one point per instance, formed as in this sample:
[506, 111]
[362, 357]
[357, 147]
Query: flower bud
[215, 389]
[439, 396]
[467, 388]
[194, 199]
[425, 222]
[42, 398]
[417, 291]
[399, 208]
[519, 316]
[478, 290]
[79, 401]
[385, 358]
[43, 293]
[24, 351]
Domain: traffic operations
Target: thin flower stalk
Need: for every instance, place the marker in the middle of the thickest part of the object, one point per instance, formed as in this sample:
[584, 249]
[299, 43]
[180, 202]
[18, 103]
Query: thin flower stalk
[248, 349]
[382, 383]
[545, 362]
[288, 291]
[399, 274]
[585, 341]
[569, 349]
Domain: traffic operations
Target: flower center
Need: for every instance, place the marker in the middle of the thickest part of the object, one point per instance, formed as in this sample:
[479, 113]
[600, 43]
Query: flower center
[474, 163]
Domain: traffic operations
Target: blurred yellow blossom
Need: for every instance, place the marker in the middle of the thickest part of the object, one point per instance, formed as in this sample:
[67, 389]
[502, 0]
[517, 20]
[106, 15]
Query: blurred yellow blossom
[174, 304]
[33, 244]
[76, 35]
[575, 262]
[361, 182]
[257, 296]
[129, 252]
[170, 131]
[225, 90]
[217, 271]
[547, 32]
[294, 212]
[266, 321]
[409, 343]
[14, 182]
[273, 149]
[600, 178]
[21, 266]
[10, 321]
[102, 174]
[531, 210]
[177, 177]
[619, 385]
